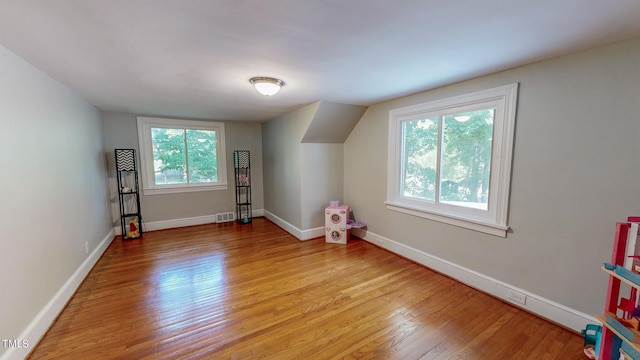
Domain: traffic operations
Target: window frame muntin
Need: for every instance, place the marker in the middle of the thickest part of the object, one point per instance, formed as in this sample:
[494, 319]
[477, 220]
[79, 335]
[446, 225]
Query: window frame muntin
[149, 187]
[495, 221]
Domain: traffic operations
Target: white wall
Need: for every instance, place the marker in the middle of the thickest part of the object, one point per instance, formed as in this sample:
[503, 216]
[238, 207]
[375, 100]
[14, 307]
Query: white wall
[575, 173]
[321, 178]
[281, 139]
[301, 178]
[54, 198]
[166, 210]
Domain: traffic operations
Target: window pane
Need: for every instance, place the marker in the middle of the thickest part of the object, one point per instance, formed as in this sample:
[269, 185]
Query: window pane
[419, 153]
[466, 158]
[203, 165]
[169, 158]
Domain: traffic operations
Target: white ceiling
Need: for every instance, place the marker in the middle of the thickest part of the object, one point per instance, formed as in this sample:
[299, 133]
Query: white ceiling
[193, 58]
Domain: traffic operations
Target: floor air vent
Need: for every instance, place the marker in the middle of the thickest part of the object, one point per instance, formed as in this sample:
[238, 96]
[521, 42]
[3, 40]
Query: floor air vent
[224, 217]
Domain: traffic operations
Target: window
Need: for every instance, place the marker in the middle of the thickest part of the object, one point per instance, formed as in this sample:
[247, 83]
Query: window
[450, 160]
[181, 155]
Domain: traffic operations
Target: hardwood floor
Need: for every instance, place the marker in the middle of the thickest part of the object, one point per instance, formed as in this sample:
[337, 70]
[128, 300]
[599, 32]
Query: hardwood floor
[253, 291]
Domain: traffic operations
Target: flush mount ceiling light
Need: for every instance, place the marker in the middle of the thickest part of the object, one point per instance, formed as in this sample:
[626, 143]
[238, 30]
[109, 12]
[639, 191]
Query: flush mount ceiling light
[266, 85]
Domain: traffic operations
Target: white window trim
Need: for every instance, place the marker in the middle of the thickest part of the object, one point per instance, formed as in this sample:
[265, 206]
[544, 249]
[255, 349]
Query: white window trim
[146, 155]
[493, 221]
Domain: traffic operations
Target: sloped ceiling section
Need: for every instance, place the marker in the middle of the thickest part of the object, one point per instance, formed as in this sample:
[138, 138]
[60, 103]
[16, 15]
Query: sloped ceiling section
[333, 123]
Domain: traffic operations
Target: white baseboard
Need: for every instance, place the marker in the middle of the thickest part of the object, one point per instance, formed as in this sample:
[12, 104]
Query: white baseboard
[301, 235]
[312, 233]
[176, 223]
[43, 320]
[555, 312]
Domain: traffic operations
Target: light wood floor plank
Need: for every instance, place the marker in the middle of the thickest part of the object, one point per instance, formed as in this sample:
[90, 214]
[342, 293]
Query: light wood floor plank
[229, 291]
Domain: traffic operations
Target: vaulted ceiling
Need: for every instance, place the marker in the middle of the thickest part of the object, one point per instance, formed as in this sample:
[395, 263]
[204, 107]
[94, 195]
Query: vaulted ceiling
[194, 58]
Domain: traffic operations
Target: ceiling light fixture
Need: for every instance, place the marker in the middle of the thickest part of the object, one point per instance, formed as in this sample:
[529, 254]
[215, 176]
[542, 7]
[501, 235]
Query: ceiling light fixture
[462, 118]
[266, 85]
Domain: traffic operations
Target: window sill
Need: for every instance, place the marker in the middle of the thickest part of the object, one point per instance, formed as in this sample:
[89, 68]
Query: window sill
[183, 189]
[487, 228]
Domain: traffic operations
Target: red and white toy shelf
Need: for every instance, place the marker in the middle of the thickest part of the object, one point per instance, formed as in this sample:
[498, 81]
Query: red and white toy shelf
[620, 337]
[336, 221]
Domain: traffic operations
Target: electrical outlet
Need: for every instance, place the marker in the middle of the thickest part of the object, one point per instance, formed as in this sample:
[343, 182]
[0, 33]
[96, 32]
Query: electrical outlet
[86, 247]
[518, 297]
